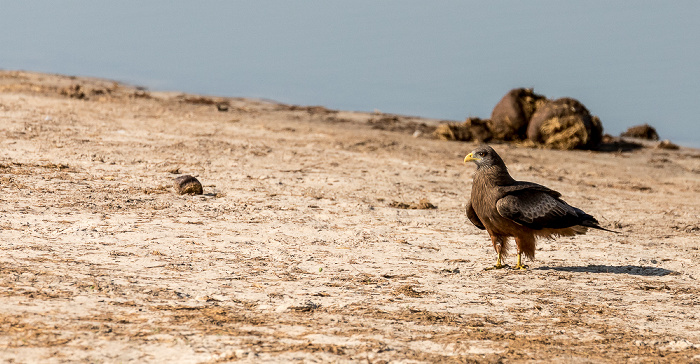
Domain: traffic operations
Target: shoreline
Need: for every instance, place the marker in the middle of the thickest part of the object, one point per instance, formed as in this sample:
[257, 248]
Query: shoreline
[427, 119]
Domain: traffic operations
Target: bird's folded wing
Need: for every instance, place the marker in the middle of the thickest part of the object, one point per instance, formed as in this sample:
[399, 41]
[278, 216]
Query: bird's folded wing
[520, 186]
[537, 209]
[471, 214]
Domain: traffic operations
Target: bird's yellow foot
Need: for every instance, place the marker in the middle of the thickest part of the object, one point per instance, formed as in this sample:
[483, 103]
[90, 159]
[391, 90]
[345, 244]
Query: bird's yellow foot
[520, 265]
[498, 265]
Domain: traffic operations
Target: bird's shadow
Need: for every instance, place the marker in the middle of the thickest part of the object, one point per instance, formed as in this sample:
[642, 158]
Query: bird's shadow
[634, 270]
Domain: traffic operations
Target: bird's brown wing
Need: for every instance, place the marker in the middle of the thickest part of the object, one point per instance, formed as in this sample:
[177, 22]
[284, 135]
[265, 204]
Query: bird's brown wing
[471, 214]
[537, 209]
[520, 186]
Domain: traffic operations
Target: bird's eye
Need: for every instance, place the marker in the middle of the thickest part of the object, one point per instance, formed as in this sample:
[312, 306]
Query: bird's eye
[481, 154]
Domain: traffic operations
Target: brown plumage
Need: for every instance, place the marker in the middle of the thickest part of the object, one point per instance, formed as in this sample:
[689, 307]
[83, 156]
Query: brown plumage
[508, 208]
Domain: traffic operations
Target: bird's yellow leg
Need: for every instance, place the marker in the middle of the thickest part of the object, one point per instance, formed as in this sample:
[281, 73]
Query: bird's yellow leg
[498, 265]
[520, 264]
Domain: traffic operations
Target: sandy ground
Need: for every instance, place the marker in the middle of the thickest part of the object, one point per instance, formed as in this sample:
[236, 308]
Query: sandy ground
[297, 252]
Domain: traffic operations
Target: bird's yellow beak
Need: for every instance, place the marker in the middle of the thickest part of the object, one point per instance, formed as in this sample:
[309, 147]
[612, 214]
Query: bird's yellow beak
[469, 158]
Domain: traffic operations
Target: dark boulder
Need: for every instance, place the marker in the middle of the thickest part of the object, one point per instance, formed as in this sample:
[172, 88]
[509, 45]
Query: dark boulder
[565, 124]
[511, 115]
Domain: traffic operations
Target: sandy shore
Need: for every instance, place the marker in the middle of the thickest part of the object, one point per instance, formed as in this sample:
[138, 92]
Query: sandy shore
[296, 251]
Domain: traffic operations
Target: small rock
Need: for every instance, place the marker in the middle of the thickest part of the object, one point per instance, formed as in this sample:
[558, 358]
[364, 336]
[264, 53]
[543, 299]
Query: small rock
[222, 106]
[645, 131]
[188, 185]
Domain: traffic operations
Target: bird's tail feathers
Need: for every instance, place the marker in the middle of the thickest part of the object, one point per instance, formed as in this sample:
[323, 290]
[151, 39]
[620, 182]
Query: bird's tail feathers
[594, 224]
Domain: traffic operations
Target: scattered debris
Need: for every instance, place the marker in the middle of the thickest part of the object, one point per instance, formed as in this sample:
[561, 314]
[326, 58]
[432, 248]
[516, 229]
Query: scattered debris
[198, 100]
[83, 92]
[400, 123]
[666, 144]
[188, 185]
[74, 91]
[408, 291]
[423, 204]
[399, 205]
[312, 110]
[470, 129]
[307, 306]
[141, 93]
[384, 122]
[453, 131]
[687, 228]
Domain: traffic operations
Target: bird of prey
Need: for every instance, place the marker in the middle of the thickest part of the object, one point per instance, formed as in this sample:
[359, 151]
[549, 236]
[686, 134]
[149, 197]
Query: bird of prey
[508, 208]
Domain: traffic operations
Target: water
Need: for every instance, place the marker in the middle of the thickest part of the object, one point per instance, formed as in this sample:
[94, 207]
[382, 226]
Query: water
[628, 62]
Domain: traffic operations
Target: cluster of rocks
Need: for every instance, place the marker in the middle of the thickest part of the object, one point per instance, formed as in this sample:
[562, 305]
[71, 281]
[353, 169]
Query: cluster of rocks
[523, 115]
[532, 119]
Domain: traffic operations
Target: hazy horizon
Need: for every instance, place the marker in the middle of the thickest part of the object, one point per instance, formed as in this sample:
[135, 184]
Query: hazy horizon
[629, 63]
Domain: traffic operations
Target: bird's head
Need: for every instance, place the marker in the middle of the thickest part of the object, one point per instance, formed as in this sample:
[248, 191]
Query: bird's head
[484, 156]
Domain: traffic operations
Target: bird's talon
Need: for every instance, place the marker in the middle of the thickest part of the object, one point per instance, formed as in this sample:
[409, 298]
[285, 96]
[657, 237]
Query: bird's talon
[521, 267]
